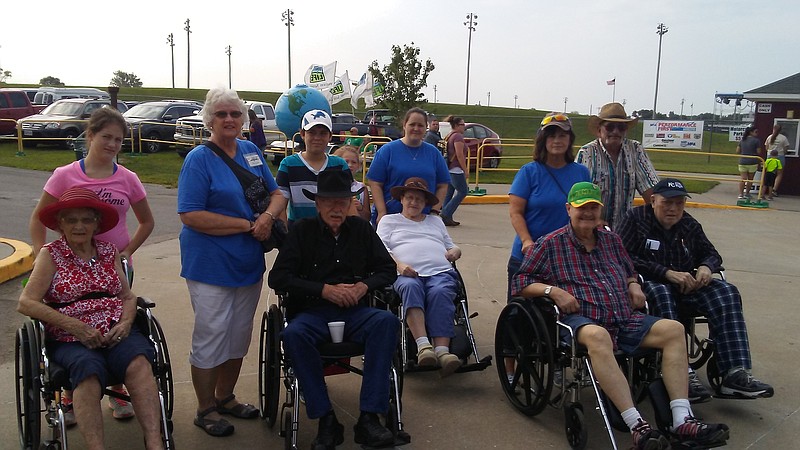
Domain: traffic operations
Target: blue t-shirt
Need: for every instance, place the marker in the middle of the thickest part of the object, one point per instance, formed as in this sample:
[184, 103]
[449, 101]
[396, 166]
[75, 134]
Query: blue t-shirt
[294, 175]
[206, 183]
[396, 162]
[545, 210]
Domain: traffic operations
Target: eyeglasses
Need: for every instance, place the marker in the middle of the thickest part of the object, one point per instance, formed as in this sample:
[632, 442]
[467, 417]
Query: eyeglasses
[224, 114]
[610, 126]
[557, 118]
[75, 220]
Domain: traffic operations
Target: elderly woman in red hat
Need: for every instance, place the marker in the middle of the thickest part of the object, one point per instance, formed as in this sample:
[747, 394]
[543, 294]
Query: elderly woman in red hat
[79, 290]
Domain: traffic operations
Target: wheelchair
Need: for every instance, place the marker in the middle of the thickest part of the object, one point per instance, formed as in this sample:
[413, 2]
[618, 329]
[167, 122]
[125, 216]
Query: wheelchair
[275, 366]
[551, 371]
[40, 382]
[462, 345]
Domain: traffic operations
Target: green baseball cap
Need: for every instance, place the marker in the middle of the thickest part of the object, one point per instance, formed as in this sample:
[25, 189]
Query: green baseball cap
[583, 193]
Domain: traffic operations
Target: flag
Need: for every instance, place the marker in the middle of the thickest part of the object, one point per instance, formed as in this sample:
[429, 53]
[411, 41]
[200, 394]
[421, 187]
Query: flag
[611, 82]
[358, 92]
[339, 91]
[321, 77]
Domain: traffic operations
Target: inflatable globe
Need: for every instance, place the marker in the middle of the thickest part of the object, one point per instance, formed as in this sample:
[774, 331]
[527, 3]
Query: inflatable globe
[294, 103]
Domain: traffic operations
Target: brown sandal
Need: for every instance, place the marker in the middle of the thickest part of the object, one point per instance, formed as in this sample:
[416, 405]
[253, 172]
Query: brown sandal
[241, 410]
[216, 428]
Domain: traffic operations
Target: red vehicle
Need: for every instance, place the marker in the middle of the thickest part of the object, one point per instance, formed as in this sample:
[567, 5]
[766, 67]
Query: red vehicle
[14, 104]
[475, 135]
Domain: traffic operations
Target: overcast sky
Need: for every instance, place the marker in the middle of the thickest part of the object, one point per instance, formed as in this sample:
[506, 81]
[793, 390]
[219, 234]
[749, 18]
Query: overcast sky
[540, 51]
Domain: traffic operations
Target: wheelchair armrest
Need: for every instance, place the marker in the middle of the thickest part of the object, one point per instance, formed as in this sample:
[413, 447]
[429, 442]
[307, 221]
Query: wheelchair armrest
[144, 302]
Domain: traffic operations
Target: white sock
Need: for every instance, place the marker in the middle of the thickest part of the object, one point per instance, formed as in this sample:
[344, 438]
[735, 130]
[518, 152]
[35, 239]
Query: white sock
[680, 411]
[441, 349]
[423, 342]
[510, 378]
[631, 417]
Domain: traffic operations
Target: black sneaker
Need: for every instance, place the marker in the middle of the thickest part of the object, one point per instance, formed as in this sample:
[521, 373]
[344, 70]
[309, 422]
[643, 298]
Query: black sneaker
[646, 438]
[741, 384]
[698, 393]
[370, 432]
[329, 434]
[697, 433]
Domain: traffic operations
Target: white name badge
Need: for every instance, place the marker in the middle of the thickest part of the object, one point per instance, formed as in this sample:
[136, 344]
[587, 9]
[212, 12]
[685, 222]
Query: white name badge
[252, 159]
[652, 245]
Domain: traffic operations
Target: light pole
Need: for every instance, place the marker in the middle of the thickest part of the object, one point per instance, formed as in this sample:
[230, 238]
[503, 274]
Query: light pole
[565, 104]
[682, 100]
[471, 24]
[188, 53]
[228, 52]
[434, 93]
[515, 101]
[488, 98]
[288, 17]
[171, 43]
[661, 30]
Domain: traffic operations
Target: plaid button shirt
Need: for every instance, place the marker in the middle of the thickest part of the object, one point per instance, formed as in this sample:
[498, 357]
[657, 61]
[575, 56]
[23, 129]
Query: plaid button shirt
[597, 279]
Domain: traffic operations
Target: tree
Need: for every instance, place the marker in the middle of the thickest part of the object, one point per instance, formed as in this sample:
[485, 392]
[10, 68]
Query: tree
[51, 81]
[125, 79]
[402, 79]
[4, 75]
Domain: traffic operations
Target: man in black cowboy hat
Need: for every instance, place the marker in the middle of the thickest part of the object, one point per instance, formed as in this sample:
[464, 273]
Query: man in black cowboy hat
[327, 265]
[618, 165]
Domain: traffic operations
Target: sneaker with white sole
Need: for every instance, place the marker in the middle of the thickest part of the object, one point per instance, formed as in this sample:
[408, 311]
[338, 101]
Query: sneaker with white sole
[698, 393]
[120, 409]
[739, 383]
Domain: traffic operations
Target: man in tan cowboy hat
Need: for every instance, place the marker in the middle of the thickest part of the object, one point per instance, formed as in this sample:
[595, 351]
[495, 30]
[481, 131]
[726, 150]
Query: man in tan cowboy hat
[618, 165]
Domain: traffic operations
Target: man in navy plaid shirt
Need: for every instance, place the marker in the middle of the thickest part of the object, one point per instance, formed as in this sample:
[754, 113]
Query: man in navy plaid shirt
[586, 271]
[670, 249]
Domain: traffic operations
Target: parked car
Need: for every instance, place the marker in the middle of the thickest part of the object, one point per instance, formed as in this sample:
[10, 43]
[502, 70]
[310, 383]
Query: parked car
[61, 122]
[154, 122]
[14, 105]
[47, 95]
[476, 134]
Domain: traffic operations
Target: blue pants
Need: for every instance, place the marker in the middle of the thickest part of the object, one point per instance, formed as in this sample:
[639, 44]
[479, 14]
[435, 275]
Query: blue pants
[376, 329]
[456, 193]
[434, 295]
[721, 303]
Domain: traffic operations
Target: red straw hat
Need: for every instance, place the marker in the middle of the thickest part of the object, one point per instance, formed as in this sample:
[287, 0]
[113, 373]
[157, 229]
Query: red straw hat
[79, 198]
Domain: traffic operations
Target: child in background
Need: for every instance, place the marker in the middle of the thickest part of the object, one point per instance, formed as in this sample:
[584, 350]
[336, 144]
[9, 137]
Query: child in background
[771, 167]
[352, 157]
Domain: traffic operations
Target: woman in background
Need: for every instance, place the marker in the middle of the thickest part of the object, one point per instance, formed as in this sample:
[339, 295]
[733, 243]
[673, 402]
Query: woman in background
[459, 170]
[256, 130]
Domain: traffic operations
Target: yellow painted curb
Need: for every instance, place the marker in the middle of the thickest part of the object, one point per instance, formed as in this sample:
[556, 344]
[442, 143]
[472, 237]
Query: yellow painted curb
[20, 262]
[638, 201]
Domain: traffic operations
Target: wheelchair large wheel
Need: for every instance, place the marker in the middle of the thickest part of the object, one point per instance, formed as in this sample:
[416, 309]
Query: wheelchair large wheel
[522, 335]
[269, 364]
[28, 385]
[163, 369]
[575, 426]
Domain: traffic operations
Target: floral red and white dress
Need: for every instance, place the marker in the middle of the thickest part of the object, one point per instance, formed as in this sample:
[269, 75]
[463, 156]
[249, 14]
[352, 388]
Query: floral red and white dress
[76, 281]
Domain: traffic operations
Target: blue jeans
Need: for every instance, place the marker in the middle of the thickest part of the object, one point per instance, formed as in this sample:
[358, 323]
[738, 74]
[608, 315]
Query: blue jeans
[456, 193]
[376, 329]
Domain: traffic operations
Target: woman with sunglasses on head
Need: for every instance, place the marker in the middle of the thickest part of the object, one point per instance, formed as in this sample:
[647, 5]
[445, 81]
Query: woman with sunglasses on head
[221, 257]
[617, 164]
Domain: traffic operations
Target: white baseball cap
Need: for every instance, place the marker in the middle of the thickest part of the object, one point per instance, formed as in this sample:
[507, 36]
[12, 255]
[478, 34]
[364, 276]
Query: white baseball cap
[317, 117]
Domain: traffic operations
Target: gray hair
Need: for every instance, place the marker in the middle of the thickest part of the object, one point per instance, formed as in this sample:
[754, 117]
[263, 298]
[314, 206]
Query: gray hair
[219, 96]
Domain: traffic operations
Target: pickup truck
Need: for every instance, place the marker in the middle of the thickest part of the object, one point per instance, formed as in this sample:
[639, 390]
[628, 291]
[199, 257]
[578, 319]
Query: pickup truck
[14, 105]
[343, 122]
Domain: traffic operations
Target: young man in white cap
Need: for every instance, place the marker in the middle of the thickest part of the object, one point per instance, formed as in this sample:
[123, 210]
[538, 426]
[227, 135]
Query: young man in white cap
[300, 170]
[617, 164]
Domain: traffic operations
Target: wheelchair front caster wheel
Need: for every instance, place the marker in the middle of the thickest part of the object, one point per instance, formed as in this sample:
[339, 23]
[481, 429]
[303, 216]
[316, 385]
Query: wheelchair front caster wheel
[575, 426]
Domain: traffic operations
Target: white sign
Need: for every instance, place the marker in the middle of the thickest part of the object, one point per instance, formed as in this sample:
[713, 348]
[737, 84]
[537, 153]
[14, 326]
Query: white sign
[685, 134]
[764, 108]
[736, 133]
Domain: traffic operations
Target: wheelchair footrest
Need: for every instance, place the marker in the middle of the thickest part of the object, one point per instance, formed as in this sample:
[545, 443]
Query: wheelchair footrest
[476, 366]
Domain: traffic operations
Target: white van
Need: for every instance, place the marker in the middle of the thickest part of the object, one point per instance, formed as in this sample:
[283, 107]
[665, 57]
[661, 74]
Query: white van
[47, 95]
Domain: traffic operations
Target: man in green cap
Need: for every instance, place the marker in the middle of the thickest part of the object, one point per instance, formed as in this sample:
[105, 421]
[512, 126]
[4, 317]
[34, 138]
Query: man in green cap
[586, 272]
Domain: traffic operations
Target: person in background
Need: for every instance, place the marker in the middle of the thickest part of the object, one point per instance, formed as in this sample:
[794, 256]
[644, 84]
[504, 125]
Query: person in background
[772, 170]
[300, 170]
[620, 166]
[407, 157]
[777, 141]
[222, 259]
[256, 130]
[352, 157]
[459, 170]
[115, 185]
[749, 147]
[433, 136]
[354, 139]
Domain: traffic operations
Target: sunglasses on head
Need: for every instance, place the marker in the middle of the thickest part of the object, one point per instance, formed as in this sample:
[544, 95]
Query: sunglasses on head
[557, 118]
[224, 114]
[610, 126]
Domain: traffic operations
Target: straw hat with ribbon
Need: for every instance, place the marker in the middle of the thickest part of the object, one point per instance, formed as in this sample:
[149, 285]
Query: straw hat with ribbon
[610, 112]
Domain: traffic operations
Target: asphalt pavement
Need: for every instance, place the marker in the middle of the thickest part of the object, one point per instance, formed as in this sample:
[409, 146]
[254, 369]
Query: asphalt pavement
[469, 410]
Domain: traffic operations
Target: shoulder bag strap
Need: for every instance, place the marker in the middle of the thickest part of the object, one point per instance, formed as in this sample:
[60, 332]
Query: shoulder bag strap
[554, 179]
[244, 176]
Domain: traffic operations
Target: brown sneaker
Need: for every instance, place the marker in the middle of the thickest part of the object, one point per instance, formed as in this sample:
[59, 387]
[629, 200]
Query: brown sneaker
[426, 357]
[449, 363]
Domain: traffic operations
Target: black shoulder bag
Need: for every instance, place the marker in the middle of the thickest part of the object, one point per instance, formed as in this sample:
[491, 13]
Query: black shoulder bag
[257, 196]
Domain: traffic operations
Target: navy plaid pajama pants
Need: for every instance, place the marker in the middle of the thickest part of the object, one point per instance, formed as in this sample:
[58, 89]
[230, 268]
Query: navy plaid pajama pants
[721, 303]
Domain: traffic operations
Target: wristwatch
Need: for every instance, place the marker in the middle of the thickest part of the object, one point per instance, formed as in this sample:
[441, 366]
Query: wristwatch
[547, 291]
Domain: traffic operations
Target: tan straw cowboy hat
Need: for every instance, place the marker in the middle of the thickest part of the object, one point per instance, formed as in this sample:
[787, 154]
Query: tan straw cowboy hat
[610, 112]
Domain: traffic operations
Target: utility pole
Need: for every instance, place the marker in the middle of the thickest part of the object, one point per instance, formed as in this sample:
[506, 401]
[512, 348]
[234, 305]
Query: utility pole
[661, 30]
[515, 101]
[188, 52]
[228, 52]
[691, 110]
[434, 93]
[488, 98]
[171, 43]
[471, 24]
[565, 104]
[682, 100]
[288, 17]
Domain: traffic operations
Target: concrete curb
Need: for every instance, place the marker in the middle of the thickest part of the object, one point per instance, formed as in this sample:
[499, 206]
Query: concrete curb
[501, 199]
[20, 261]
